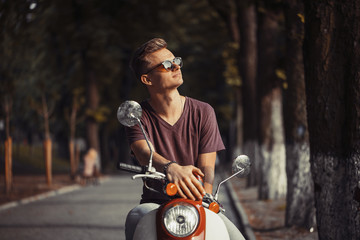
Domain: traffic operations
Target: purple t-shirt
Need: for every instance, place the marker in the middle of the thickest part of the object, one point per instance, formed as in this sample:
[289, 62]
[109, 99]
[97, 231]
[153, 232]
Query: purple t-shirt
[195, 132]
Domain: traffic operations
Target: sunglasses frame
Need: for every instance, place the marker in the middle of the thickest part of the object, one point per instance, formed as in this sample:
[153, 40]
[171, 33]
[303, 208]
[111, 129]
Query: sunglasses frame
[165, 62]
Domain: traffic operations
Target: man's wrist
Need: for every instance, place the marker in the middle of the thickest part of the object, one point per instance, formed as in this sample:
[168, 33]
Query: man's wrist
[166, 166]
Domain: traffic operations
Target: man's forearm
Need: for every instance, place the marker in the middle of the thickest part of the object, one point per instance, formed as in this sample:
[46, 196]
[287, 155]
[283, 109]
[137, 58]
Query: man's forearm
[182, 176]
[206, 163]
[142, 154]
[208, 179]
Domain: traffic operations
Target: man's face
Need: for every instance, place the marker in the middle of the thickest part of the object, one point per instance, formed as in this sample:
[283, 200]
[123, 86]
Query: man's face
[162, 79]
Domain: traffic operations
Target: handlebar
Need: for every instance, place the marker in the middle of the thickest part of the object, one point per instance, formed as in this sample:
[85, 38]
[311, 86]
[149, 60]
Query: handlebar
[131, 168]
[141, 172]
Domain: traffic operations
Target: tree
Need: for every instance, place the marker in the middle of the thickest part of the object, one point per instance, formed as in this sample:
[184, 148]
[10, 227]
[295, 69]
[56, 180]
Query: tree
[73, 119]
[248, 70]
[300, 209]
[240, 72]
[89, 52]
[42, 85]
[67, 44]
[332, 66]
[45, 112]
[272, 183]
[12, 22]
[6, 95]
[228, 11]
[7, 104]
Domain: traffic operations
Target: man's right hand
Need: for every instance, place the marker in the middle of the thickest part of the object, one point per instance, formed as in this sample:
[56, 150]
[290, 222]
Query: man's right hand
[187, 184]
[183, 176]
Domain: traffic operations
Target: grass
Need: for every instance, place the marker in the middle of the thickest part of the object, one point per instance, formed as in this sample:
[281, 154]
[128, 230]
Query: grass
[31, 158]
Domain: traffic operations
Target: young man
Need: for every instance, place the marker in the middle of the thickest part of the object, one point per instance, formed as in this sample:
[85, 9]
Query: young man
[183, 131]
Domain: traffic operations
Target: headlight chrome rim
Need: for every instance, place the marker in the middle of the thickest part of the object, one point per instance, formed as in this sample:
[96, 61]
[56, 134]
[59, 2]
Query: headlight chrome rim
[181, 219]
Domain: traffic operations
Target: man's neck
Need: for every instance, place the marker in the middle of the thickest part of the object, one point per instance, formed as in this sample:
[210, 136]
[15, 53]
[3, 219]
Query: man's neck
[168, 106]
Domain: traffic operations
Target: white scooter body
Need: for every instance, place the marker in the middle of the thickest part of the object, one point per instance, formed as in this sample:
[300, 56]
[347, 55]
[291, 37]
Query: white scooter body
[215, 227]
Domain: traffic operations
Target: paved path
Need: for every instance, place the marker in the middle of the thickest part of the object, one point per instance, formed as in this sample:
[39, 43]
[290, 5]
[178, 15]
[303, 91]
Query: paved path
[93, 212]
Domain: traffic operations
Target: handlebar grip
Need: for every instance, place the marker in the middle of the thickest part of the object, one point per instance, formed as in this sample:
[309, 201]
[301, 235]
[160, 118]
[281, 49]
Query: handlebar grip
[131, 168]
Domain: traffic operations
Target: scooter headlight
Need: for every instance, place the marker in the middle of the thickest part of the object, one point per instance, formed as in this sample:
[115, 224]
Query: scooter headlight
[181, 220]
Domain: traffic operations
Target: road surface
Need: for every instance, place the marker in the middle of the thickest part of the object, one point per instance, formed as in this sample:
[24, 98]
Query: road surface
[92, 212]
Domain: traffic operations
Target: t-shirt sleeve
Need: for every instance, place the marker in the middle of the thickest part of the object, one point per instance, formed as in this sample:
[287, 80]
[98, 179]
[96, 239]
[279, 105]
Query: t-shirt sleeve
[134, 134]
[210, 138]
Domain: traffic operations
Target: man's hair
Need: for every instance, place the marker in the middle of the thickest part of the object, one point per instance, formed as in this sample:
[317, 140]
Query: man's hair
[139, 61]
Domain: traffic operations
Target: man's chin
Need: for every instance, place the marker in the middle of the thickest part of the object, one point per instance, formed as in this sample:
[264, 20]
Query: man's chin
[179, 81]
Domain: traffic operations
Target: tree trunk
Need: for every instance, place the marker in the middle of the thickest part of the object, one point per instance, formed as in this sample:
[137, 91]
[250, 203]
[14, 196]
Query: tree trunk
[8, 146]
[238, 122]
[93, 104]
[8, 165]
[77, 155]
[272, 150]
[72, 158]
[47, 144]
[48, 160]
[46, 115]
[300, 209]
[332, 74]
[72, 122]
[248, 67]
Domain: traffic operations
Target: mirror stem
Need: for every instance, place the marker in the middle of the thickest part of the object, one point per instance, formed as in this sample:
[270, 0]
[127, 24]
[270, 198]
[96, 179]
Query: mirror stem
[148, 143]
[218, 187]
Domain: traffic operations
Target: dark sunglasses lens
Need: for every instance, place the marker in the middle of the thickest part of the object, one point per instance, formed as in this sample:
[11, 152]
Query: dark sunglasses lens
[167, 65]
[178, 61]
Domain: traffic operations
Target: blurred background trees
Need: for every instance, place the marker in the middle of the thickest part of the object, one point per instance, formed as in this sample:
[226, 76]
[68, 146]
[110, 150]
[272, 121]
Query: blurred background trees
[64, 71]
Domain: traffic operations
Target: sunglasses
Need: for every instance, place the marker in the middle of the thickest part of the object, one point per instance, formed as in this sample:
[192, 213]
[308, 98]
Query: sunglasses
[169, 65]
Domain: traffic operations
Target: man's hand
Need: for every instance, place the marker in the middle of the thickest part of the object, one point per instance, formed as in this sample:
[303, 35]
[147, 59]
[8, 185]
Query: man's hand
[185, 180]
[183, 176]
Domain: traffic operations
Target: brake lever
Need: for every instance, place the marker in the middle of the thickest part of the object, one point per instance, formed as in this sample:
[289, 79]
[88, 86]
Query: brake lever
[152, 175]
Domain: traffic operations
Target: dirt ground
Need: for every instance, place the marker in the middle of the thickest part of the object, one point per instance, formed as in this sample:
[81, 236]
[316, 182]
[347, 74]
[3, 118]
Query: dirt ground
[266, 218]
[30, 185]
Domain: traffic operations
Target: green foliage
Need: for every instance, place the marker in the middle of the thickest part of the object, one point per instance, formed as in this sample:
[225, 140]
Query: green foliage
[231, 74]
[50, 49]
[11, 22]
[100, 115]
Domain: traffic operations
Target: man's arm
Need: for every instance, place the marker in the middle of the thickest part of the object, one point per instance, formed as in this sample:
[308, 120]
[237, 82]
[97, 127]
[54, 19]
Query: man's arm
[183, 176]
[206, 163]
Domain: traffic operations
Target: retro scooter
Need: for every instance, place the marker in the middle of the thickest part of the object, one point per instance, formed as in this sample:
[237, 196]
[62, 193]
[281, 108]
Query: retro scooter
[178, 218]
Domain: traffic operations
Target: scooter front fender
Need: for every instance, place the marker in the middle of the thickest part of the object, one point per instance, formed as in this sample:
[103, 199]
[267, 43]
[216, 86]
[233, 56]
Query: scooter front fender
[215, 227]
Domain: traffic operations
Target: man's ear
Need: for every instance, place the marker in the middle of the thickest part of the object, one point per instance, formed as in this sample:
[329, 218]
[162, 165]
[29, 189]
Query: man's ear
[145, 79]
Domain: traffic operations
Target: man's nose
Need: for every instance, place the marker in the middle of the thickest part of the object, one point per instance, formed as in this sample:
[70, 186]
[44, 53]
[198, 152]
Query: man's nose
[175, 67]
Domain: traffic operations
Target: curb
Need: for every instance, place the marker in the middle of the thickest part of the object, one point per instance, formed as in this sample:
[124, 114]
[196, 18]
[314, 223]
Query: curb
[45, 195]
[246, 228]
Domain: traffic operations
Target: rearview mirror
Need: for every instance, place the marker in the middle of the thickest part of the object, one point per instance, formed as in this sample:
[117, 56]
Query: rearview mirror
[129, 113]
[241, 163]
